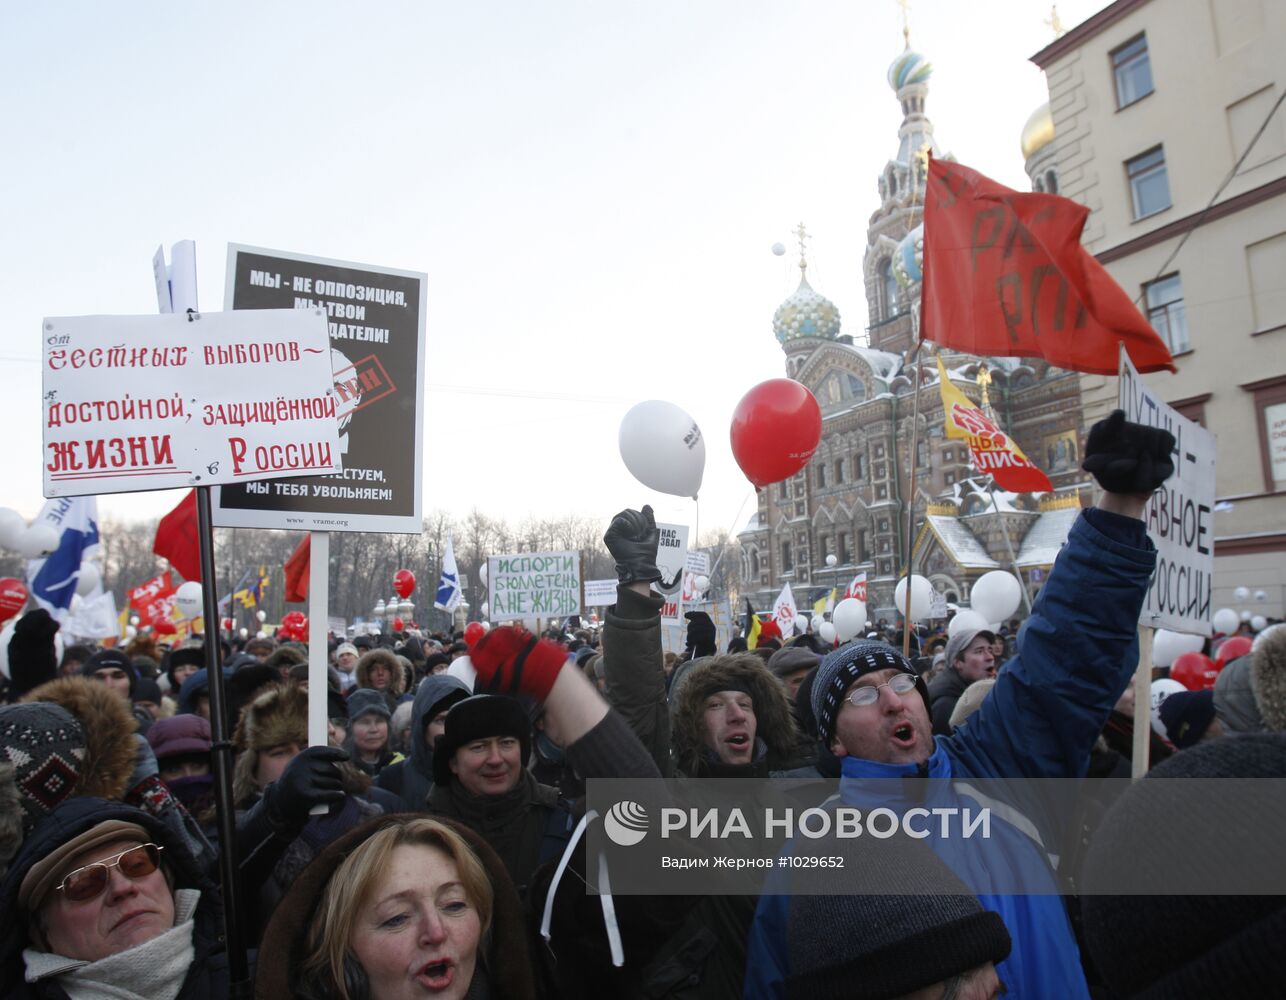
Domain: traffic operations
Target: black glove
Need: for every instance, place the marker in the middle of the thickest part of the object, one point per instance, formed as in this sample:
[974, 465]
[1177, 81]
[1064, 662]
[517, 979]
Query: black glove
[32, 658]
[1128, 458]
[633, 539]
[701, 633]
[309, 780]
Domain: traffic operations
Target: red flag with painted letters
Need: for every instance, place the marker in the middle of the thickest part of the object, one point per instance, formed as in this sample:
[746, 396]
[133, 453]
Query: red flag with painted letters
[1005, 275]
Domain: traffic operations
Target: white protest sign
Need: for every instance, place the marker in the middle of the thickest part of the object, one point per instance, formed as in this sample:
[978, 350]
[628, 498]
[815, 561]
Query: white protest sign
[165, 402]
[1179, 516]
[533, 585]
[938, 605]
[600, 593]
[671, 559]
[698, 562]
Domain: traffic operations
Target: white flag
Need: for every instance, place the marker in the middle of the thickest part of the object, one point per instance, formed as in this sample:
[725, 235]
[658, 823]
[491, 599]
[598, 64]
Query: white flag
[784, 613]
[449, 594]
[52, 580]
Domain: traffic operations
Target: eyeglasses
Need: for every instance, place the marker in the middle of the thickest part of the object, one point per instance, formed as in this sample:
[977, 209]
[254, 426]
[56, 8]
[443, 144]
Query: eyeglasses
[869, 695]
[89, 882]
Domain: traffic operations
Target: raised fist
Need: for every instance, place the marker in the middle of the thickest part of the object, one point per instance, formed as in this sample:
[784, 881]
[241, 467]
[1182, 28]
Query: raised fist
[633, 539]
[1128, 458]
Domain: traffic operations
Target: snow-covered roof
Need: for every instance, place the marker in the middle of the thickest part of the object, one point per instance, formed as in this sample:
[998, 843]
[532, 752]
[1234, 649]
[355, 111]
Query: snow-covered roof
[960, 543]
[1047, 536]
[756, 523]
[884, 364]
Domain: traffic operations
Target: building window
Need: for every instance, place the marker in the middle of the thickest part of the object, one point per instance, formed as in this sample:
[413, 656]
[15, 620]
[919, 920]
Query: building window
[821, 476]
[1132, 70]
[754, 562]
[799, 508]
[842, 555]
[1051, 182]
[1149, 183]
[881, 493]
[787, 564]
[1194, 408]
[783, 490]
[888, 290]
[865, 554]
[859, 467]
[839, 470]
[1165, 312]
[1270, 408]
[951, 479]
[884, 525]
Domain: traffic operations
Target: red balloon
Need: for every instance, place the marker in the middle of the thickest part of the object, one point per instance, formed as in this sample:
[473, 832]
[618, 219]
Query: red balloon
[472, 633]
[775, 430]
[1233, 647]
[13, 596]
[398, 625]
[1195, 671]
[404, 583]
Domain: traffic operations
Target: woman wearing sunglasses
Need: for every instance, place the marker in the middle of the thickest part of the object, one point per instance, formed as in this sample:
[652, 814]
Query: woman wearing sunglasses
[104, 903]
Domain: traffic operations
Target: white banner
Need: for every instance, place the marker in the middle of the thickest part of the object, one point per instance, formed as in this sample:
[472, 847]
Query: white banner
[166, 402]
[1179, 516]
[671, 558]
[784, 612]
[533, 585]
[600, 593]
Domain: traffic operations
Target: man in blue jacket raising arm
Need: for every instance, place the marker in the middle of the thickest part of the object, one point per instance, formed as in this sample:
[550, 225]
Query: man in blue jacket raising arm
[1076, 654]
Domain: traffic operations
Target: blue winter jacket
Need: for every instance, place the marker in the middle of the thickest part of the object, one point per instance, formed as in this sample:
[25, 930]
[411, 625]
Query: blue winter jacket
[1076, 654]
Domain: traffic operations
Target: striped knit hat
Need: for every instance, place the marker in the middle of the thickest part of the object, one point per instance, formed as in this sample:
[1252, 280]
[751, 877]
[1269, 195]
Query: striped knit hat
[844, 666]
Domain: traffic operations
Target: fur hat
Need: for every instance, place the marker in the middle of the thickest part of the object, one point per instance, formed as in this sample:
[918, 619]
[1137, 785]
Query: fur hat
[387, 659]
[1268, 678]
[278, 715]
[739, 672]
[111, 751]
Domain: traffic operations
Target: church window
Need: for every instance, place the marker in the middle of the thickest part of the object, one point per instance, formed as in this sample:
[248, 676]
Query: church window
[799, 508]
[856, 388]
[1132, 71]
[888, 290]
[1051, 182]
[783, 490]
[859, 467]
[787, 564]
[864, 552]
[754, 562]
[821, 476]
[841, 544]
[839, 470]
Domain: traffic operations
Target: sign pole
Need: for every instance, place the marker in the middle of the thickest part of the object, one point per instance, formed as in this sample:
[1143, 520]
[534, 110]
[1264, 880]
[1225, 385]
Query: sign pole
[318, 614]
[1142, 706]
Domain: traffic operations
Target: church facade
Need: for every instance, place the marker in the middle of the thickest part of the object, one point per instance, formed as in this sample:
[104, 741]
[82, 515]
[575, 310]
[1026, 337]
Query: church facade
[877, 397]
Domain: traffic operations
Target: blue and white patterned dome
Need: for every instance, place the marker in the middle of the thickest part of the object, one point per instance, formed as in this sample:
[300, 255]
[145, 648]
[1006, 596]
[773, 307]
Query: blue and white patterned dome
[806, 314]
[908, 258]
[908, 68]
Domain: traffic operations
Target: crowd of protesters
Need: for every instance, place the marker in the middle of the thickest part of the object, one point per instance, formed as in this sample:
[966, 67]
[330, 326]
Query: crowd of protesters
[435, 846]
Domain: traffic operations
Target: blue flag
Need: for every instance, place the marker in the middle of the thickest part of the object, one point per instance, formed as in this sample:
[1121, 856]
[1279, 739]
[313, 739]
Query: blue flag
[52, 580]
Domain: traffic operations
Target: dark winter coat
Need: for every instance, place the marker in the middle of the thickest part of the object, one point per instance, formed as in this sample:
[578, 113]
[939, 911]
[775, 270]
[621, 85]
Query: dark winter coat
[633, 665]
[944, 691]
[208, 976]
[507, 961]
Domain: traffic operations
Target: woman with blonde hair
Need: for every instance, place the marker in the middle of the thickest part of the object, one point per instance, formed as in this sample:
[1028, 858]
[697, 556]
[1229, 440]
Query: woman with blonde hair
[405, 906]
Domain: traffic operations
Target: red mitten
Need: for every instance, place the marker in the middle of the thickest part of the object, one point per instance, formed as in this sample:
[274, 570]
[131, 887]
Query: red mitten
[513, 661]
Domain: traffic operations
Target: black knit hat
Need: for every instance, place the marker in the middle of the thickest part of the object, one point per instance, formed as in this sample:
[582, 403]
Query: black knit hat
[844, 666]
[479, 717]
[1175, 947]
[874, 945]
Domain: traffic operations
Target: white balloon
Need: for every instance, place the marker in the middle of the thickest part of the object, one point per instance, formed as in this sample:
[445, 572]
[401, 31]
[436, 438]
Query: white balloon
[967, 620]
[1261, 596]
[826, 632]
[261, 615]
[832, 560]
[485, 608]
[38, 541]
[130, 631]
[702, 583]
[663, 448]
[12, 527]
[462, 668]
[88, 580]
[1168, 646]
[1242, 593]
[996, 595]
[1161, 690]
[779, 249]
[849, 618]
[134, 620]
[921, 597]
[188, 599]
[261, 634]
[1226, 621]
[1246, 616]
[482, 573]
[244, 633]
[1259, 623]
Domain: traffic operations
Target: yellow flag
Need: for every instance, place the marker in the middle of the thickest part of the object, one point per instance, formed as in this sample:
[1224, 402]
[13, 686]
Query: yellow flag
[756, 626]
[994, 452]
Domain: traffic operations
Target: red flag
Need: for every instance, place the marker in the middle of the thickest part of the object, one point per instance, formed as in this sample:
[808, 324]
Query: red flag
[857, 588]
[1005, 275]
[153, 599]
[297, 567]
[176, 538]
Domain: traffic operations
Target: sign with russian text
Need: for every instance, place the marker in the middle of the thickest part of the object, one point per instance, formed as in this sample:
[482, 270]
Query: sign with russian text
[672, 561]
[1179, 516]
[166, 402]
[375, 318]
[600, 593]
[533, 585]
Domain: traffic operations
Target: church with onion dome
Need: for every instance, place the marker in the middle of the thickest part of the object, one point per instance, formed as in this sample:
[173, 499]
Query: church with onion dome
[845, 513]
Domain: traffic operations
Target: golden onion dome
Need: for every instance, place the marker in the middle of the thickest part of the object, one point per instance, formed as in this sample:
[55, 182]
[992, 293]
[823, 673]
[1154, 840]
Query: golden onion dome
[1038, 132]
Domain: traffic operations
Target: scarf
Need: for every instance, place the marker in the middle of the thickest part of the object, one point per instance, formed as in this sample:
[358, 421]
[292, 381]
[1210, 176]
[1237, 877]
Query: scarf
[153, 970]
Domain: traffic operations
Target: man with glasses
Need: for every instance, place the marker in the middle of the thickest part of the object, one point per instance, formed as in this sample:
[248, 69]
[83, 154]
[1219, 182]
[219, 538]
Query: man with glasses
[1050, 701]
[100, 902]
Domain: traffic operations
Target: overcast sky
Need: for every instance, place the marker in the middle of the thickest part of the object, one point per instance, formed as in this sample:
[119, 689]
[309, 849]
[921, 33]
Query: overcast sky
[592, 188]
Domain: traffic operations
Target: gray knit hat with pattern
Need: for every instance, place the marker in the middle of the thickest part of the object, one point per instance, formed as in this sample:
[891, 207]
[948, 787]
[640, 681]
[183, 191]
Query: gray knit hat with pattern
[844, 666]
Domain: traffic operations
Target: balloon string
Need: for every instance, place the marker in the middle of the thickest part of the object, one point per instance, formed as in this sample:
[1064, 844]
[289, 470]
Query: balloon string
[735, 521]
